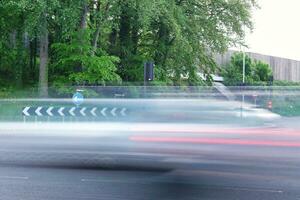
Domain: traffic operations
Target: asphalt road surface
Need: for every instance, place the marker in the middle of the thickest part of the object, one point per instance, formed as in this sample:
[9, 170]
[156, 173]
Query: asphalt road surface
[148, 161]
[33, 183]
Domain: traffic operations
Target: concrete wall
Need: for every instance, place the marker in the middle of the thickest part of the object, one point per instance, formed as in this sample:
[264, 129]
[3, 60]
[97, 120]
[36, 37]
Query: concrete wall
[283, 69]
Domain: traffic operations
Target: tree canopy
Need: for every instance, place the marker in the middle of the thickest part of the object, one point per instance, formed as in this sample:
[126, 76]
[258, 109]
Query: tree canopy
[105, 41]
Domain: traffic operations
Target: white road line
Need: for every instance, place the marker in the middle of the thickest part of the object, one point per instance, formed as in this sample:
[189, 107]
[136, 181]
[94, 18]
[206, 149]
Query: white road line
[85, 197]
[14, 177]
[108, 181]
[250, 189]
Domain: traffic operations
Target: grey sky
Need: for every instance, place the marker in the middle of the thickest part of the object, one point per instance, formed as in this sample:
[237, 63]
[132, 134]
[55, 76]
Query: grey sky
[277, 29]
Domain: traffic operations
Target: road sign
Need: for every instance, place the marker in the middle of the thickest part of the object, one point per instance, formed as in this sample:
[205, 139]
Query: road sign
[149, 71]
[78, 98]
[110, 112]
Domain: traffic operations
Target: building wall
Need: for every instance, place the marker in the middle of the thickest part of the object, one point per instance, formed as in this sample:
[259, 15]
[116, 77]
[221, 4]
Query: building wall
[283, 69]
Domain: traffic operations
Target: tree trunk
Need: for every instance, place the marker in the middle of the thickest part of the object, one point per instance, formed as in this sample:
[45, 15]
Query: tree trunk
[113, 42]
[33, 55]
[85, 10]
[20, 62]
[124, 32]
[95, 39]
[98, 26]
[17, 62]
[43, 76]
[82, 31]
[13, 39]
[125, 48]
[135, 29]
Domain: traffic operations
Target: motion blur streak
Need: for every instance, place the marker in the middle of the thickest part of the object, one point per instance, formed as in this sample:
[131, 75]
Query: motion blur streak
[110, 129]
[239, 131]
[214, 141]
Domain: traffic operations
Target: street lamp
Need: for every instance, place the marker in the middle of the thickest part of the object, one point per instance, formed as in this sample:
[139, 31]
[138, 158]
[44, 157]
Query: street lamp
[244, 59]
[244, 72]
[244, 66]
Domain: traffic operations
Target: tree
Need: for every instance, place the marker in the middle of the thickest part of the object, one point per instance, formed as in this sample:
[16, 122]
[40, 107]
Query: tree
[74, 63]
[46, 19]
[13, 44]
[256, 72]
[44, 50]
[118, 36]
[180, 36]
[38, 16]
[263, 71]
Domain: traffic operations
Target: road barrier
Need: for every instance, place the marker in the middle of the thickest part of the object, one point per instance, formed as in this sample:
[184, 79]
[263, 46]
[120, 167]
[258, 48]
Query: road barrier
[75, 111]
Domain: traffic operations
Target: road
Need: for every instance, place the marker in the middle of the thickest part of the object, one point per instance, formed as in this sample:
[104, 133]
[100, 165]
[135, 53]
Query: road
[32, 183]
[148, 161]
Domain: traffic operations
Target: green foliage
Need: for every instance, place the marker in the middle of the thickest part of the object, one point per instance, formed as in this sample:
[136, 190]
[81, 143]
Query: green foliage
[256, 72]
[262, 70]
[285, 83]
[5, 92]
[179, 36]
[75, 61]
[176, 35]
[96, 70]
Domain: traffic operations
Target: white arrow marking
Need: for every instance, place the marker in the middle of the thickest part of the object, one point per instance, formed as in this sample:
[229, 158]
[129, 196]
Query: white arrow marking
[123, 112]
[49, 111]
[93, 111]
[25, 111]
[60, 111]
[113, 112]
[82, 111]
[103, 112]
[38, 111]
[72, 111]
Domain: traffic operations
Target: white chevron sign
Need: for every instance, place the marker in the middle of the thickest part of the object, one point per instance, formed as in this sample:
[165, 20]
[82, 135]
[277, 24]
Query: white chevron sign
[60, 111]
[51, 111]
[25, 111]
[72, 111]
[93, 111]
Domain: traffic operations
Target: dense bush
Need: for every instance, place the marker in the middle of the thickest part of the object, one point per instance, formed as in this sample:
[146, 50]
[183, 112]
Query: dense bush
[256, 72]
[285, 83]
[74, 63]
[263, 71]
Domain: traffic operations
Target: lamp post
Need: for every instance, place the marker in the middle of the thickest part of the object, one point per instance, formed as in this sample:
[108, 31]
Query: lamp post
[244, 66]
[244, 75]
[244, 59]
[243, 95]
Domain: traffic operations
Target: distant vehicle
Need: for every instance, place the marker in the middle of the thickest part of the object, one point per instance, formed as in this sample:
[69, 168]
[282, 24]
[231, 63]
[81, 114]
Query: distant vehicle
[215, 78]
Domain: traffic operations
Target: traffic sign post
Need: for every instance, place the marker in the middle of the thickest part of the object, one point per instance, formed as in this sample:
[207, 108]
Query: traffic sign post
[78, 98]
[148, 74]
[148, 71]
[101, 112]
